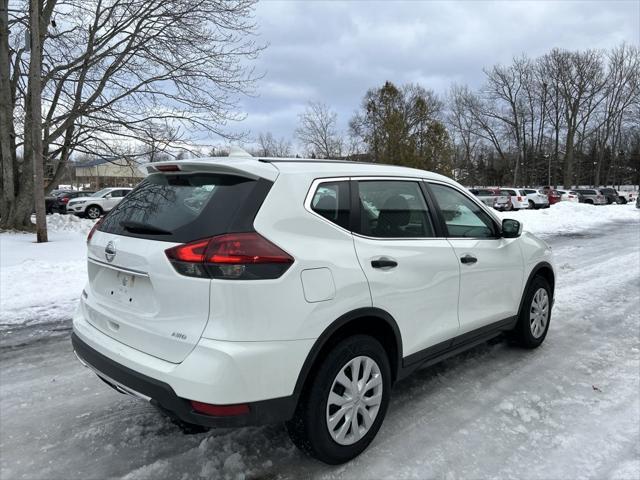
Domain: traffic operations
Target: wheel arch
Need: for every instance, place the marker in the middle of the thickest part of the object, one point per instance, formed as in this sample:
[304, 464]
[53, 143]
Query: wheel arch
[545, 270]
[370, 321]
[94, 205]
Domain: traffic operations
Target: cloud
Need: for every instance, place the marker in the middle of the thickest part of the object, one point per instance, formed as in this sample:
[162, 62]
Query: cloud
[334, 51]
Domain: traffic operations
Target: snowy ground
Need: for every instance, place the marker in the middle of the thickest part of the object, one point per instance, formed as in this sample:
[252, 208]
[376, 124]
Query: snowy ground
[569, 409]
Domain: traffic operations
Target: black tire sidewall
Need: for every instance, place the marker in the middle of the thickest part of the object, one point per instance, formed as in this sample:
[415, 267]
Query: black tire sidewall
[320, 443]
[523, 328]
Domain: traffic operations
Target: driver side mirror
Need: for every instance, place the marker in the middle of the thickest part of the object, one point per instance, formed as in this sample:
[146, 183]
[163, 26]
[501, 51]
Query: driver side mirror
[511, 228]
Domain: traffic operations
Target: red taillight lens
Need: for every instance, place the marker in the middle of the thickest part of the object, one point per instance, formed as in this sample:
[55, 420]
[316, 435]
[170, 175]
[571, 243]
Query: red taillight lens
[519, 198]
[234, 256]
[64, 199]
[220, 410]
[93, 229]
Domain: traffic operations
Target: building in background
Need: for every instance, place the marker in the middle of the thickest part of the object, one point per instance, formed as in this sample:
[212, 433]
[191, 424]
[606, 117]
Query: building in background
[107, 172]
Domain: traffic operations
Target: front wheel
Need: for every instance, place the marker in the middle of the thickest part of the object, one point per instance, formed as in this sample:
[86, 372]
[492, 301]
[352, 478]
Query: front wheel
[93, 212]
[533, 323]
[344, 405]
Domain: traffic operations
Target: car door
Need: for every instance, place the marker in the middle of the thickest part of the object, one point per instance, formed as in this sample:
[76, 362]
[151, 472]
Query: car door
[491, 267]
[112, 199]
[413, 275]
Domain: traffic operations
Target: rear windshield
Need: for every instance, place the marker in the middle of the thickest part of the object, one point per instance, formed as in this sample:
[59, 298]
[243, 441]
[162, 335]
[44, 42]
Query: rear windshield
[183, 207]
[587, 192]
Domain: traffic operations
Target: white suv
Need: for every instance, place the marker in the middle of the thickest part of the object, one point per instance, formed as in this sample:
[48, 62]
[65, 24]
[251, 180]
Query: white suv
[98, 203]
[237, 291]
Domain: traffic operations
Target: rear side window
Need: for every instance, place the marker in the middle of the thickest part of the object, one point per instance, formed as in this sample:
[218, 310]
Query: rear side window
[332, 201]
[187, 206]
[393, 209]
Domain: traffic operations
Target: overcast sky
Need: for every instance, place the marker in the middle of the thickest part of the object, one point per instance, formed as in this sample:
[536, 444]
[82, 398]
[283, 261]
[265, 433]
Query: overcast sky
[333, 51]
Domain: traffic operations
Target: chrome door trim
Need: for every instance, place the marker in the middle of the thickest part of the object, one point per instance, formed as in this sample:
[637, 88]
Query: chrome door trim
[130, 271]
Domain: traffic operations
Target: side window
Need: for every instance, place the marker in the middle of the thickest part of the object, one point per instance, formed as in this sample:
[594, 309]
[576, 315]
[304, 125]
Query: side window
[463, 217]
[116, 194]
[331, 200]
[393, 209]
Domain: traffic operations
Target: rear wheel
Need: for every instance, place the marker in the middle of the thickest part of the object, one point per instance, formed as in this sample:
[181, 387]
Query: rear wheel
[589, 201]
[532, 205]
[533, 323]
[93, 212]
[622, 200]
[344, 405]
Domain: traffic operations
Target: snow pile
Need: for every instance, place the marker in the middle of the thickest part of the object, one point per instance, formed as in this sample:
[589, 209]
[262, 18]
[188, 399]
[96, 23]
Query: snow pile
[68, 223]
[569, 218]
[41, 282]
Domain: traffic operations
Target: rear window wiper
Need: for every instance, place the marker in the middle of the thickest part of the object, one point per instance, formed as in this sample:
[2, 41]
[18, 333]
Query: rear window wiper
[139, 227]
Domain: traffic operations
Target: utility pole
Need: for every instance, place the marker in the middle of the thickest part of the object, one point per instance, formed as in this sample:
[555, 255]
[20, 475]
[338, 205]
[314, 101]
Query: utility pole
[35, 104]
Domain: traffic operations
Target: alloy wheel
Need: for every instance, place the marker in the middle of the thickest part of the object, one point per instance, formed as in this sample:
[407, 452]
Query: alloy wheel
[93, 213]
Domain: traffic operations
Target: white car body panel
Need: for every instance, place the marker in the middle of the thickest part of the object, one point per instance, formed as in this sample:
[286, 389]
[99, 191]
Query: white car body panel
[419, 292]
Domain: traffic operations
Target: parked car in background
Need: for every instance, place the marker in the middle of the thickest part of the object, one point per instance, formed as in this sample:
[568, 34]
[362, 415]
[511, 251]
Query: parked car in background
[283, 308]
[592, 196]
[517, 198]
[489, 196]
[611, 195]
[627, 196]
[95, 205]
[535, 198]
[50, 200]
[638, 201]
[554, 196]
[569, 196]
[60, 202]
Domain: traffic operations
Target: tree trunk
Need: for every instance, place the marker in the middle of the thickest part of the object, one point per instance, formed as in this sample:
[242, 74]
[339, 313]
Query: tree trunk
[568, 158]
[35, 104]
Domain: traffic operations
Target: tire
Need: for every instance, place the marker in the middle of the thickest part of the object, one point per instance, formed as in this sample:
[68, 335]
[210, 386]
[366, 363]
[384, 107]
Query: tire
[309, 429]
[622, 201]
[531, 329]
[93, 212]
[589, 202]
[532, 205]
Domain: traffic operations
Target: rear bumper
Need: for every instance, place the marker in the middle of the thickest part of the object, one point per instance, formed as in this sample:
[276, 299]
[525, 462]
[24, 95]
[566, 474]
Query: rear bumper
[161, 395]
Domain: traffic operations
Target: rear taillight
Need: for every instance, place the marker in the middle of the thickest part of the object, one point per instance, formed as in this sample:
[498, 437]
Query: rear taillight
[64, 199]
[93, 229]
[234, 256]
[519, 198]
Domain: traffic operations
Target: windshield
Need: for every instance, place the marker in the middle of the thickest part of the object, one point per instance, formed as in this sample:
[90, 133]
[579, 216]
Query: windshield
[101, 193]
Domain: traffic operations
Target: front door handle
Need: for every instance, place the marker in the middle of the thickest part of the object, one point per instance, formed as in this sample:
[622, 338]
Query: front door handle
[384, 262]
[468, 259]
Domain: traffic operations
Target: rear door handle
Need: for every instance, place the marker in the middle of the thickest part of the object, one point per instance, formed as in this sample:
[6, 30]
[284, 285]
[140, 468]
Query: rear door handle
[468, 259]
[384, 262]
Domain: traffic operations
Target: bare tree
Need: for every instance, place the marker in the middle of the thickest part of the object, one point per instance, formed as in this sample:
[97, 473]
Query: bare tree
[318, 133]
[109, 68]
[579, 79]
[269, 146]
